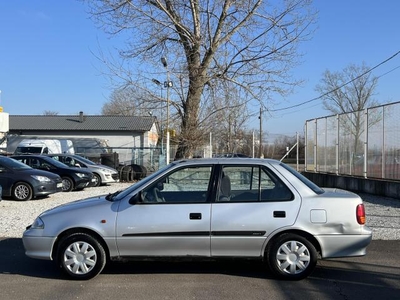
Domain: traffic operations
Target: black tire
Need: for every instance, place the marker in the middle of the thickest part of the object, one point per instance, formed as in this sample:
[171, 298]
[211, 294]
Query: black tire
[97, 181]
[291, 256]
[81, 256]
[68, 184]
[22, 191]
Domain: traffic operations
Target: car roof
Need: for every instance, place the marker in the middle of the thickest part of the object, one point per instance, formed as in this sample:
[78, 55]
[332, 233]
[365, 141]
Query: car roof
[229, 160]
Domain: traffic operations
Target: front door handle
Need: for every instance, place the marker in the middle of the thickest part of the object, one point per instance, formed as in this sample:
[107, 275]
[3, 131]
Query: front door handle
[195, 216]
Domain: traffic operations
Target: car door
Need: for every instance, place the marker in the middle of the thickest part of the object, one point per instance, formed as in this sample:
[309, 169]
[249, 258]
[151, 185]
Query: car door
[251, 204]
[172, 217]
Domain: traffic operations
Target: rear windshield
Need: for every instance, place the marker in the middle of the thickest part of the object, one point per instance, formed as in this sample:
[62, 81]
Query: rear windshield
[305, 180]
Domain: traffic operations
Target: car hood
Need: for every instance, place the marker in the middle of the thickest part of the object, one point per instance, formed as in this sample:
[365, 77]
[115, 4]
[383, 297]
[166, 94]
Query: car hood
[39, 173]
[89, 203]
[103, 167]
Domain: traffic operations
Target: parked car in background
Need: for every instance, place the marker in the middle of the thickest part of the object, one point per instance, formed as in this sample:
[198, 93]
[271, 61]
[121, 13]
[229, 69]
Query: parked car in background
[23, 183]
[102, 174]
[44, 146]
[72, 178]
[206, 208]
[226, 155]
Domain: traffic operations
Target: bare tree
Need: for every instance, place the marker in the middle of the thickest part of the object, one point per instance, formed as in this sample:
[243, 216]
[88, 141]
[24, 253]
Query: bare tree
[227, 119]
[348, 93]
[50, 113]
[129, 102]
[249, 43]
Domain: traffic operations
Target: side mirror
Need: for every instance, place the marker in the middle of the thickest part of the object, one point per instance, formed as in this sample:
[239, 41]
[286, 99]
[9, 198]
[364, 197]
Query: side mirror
[138, 198]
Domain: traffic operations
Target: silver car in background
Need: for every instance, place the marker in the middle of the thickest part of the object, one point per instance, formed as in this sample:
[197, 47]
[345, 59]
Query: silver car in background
[102, 174]
[206, 208]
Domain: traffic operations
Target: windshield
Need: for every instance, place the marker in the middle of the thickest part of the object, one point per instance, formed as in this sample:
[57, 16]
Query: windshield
[13, 164]
[85, 160]
[32, 150]
[54, 162]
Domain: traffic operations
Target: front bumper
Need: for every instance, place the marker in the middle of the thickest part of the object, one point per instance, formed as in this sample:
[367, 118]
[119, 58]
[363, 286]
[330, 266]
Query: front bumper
[47, 189]
[38, 247]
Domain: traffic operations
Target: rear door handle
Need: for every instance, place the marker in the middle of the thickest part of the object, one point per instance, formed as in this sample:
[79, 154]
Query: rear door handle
[195, 216]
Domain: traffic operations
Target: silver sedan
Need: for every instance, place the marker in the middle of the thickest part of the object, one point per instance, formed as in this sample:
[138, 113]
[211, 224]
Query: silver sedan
[206, 208]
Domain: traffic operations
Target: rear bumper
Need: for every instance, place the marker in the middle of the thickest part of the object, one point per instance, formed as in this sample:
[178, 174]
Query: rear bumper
[343, 245]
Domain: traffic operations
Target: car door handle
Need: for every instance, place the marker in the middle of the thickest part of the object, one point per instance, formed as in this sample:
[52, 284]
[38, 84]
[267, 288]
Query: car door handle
[279, 214]
[195, 216]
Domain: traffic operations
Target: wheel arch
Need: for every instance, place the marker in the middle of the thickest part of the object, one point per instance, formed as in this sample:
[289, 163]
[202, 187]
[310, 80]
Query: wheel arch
[90, 232]
[299, 232]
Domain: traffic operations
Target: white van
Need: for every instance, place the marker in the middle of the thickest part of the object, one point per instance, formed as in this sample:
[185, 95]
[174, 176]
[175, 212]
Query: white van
[45, 146]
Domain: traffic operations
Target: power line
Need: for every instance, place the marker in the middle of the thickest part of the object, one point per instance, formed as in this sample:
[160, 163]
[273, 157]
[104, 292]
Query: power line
[350, 81]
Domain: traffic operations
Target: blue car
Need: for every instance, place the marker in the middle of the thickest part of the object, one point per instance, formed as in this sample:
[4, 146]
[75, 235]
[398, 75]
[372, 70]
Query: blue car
[73, 179]
[22, 183]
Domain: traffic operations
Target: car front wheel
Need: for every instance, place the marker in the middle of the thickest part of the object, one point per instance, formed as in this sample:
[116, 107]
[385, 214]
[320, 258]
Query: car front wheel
[22, 191]
[97, 180]
[68, 184]
[291, 257]
[81, 256]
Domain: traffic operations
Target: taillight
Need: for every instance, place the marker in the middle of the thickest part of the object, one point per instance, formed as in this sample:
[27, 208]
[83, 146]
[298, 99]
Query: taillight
[360, 214]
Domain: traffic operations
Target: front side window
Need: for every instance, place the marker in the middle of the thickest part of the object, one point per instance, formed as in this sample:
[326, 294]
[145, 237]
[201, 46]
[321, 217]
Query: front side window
[186, 185]
[251, 184]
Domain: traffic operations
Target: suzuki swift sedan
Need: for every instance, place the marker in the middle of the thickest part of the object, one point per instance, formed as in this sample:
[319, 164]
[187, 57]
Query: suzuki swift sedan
[206, 208]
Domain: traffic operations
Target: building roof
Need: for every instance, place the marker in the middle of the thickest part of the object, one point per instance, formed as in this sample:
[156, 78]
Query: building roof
[81, 122]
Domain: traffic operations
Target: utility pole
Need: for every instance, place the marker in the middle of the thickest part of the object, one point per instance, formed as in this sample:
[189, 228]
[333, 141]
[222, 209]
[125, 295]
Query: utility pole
[261, 145]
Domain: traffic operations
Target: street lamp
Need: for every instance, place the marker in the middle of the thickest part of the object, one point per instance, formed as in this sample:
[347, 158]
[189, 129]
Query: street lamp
[161, 126]
[167, 84]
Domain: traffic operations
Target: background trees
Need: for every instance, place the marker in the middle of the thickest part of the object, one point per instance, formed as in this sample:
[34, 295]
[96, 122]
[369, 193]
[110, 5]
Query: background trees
[348, 93]
[249, 46]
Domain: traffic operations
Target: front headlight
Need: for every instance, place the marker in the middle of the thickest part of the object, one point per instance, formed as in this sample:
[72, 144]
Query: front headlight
[41, 178]
[81, 175]
[38, 224]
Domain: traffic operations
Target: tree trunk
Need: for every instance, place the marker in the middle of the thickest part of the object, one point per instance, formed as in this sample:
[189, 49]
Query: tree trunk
[191, 134]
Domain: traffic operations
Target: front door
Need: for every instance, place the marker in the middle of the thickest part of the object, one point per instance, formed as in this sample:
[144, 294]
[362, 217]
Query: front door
[172, 218]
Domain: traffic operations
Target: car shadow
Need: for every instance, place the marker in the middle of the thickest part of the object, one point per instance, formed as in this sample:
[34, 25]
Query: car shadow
[343, 273]
[14, 261]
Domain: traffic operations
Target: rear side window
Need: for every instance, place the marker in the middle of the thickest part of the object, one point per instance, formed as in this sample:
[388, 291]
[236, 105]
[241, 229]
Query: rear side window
[251, 184]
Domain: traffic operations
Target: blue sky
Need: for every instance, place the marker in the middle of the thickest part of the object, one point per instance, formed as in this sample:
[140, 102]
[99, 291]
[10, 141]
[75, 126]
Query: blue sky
[47, 60]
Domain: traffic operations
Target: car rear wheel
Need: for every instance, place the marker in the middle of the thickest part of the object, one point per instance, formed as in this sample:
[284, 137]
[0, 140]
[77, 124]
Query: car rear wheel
[81, 256]
[22, 191]
[291, 256]
[68, 184]
[97, 179]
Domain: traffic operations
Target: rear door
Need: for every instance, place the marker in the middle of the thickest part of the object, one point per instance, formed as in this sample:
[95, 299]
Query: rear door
[259, 203]
[173, 218]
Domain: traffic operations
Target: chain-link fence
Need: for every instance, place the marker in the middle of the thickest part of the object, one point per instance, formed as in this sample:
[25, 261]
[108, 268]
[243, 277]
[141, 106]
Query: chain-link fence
[362, 143]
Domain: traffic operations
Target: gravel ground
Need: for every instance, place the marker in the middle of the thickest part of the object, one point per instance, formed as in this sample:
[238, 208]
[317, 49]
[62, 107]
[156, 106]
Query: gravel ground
[383, 214]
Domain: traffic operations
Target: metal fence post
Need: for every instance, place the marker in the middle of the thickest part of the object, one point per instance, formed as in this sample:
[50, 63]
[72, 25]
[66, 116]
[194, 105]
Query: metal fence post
[337, 145]
[365, 168]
